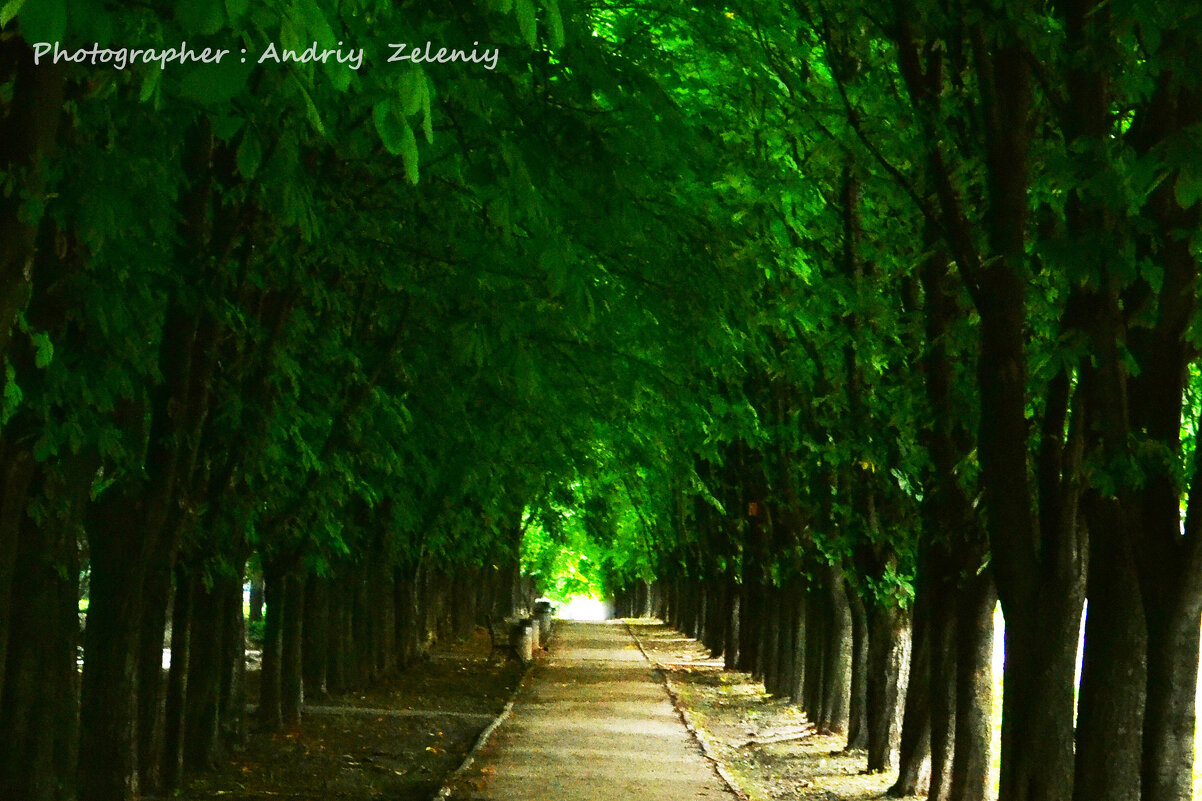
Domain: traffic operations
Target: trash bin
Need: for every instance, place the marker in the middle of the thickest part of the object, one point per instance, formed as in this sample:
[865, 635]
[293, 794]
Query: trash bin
[521, 637]
[542, 613]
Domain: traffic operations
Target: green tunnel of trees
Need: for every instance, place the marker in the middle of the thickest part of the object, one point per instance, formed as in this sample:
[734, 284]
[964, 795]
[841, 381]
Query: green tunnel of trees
[828, 323]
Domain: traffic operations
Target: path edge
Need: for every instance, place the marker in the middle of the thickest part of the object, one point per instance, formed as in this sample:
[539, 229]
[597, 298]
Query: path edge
[448, 784]
[687, 719]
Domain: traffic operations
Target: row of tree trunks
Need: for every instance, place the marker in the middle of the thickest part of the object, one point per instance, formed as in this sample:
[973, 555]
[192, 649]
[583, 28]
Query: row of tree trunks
[927, 673]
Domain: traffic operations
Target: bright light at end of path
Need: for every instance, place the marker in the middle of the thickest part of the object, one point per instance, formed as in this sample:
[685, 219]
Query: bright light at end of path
[582, 607]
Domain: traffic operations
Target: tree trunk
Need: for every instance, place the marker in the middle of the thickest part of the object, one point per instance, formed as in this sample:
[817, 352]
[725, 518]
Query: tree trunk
[18, 474]
[108, 699]
[974, 688]
[771, 641]
[836, 672]
[270, 712]
[730, 649]
[1110, 702]
[177, 681]
[942, 689]
[787, 651]
[202, 702]
[888, 651]
[817, 610]
[1169, 717]
[232, 708]
[316, 636]
[916, 722]
[292, 626]
[800, 643]
[39, 711]
[857, 728]
[157, 601]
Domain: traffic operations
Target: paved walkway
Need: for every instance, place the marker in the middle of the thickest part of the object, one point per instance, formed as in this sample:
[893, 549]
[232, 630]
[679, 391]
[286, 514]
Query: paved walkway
[591, 723]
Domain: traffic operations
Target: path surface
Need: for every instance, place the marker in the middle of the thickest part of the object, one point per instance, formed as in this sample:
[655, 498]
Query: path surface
[591, 723]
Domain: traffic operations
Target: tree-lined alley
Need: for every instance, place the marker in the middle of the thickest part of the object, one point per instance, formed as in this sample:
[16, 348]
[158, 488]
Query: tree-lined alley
[822, 326]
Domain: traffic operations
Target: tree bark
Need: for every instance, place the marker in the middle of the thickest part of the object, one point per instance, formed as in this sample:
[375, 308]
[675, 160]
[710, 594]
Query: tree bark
[202, 703]
[270, 712]
[316, 636]
[942, 691]
[857, 714]
[730, 649]
[836, 670]
[39, 710]
[292, 627]
[1110, 702]
[177, 681]
[886, 661]
[916, 722]
[974, 688]
[108, 700]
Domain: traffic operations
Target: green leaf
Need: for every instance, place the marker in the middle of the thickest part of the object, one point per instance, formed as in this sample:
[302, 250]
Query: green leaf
[250, 154]
[215, 84]
[525, 12]
[316, 23]
[412, 87]
[204, 17]
[427, 118]
[409, 152]
[10, 10]
[43, 350]
[236, 9]
[388, 126]
[311, 111]
[149, 85]
[554, 23]
[1188, 189]
[44, 21]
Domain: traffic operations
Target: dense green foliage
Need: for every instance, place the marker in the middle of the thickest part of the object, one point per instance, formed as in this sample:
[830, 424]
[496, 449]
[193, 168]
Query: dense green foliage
[865, 306]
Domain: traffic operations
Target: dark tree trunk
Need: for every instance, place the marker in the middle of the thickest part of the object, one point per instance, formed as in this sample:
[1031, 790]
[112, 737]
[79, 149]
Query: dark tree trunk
[787, 651]
[108, 700]
[336, 667]
[916, 722]
[316, 632]
[800, 643]
[232, 708]
[270, 712]
[39, 711]
[836, 672]
[716, 619]
[942, 689]
[857, 728]
[1169, 717]
[177, 681]
[407, 615]
[771, 641]
[887, 654]
[291, 681]
[1110, 703]
[730, 649]
[749, 620]
[974, 688]
[18, 473]
[202, 702]
[157, 600]
[817, 608]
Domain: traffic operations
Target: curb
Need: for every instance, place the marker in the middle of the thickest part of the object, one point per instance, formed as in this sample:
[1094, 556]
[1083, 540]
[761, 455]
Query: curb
[687, 719]
[448, 785]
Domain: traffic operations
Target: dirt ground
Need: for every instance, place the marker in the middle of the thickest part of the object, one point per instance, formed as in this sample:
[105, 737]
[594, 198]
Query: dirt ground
[764, 744]
[397, 741]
